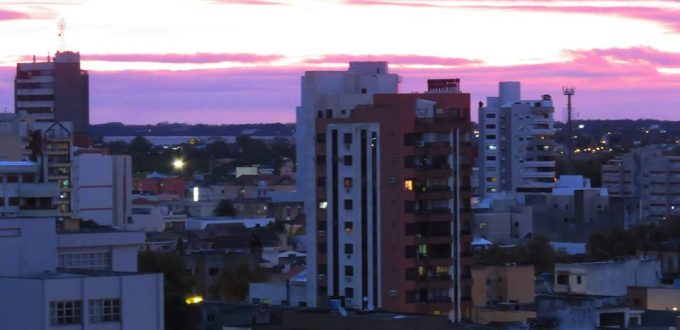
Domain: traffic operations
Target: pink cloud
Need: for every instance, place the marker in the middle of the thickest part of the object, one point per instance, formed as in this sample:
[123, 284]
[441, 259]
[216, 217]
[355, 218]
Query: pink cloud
[182, 58]
[8, 15]
[611, 83]
[395, 59]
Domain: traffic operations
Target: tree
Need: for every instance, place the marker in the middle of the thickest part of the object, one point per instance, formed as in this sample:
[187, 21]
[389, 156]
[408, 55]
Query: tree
[140, 144]
[232, 283]
[225, 209]
[177, 284]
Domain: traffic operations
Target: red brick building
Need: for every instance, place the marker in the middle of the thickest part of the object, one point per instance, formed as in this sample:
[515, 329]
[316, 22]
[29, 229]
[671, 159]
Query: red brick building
[159, 186]
[393, 197]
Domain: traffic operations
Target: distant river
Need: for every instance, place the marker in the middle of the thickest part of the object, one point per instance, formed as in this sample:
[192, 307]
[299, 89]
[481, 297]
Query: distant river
[173, 140]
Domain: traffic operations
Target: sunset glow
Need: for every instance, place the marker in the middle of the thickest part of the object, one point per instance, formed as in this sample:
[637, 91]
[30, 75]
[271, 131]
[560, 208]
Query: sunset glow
[240, 61]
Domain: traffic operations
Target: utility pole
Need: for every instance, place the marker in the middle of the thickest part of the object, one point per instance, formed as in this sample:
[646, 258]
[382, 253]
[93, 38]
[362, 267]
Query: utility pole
[569, 92]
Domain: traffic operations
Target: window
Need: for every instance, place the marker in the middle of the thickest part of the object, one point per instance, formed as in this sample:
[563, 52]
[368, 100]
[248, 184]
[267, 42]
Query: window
[562, 279]
[348, 182]
[347, 160]
[349, 292]
[65, 312]
[364, 91]
[86, 260]
[578, 279]
[408, 184]
[321, 138]
[213, 271]
[491, 137]
[321, 248]
[320, 114]
[349, 271]
[329, 113]
[490, 115]
[323, 205]
[349, 248]
[490, 126]
[491, 147]
[104, 310]
[347, 138]
[349, 226]
[348, 204]
[490, 158]
[491, 179]
[321, 182]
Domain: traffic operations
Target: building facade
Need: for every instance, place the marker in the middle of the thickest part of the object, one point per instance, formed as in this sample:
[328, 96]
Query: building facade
[55, 91]
[330, 94]
[392, 209]
[516, 143]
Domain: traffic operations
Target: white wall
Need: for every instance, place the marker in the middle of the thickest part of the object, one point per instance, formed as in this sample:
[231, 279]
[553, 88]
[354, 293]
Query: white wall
[33, 251]
[141, 298]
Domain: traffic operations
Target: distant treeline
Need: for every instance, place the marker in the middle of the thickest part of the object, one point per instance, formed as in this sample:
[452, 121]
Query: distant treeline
[176, 129]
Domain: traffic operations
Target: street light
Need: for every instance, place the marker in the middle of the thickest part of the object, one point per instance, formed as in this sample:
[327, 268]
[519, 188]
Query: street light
[178, 164]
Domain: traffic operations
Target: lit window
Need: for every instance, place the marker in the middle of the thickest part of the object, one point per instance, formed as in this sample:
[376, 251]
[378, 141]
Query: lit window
[104, 310]
[349, 226]
[65, 312]
[491, 179]
[323, 204]
[348, 182]
[408, 184]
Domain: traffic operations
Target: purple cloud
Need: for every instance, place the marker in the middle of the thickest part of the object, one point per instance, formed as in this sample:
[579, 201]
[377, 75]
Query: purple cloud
[396, 59]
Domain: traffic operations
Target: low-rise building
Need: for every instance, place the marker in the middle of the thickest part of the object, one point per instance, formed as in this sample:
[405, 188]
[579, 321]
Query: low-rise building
[285, 289]
[74, 280]
[654, 298]
[608, 278]
[577, 311]
[503, 294]
[23, 193]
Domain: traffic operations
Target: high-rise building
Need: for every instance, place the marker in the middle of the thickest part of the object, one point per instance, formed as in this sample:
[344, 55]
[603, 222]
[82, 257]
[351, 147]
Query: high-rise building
[330, 94]
[392, 209]
[55, 91]
[647, 175]
[516, 143]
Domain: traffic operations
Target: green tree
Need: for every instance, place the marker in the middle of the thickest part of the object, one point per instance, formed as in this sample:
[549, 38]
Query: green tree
[232, 283]
[177, 285]
[225, 209]
[141, 144]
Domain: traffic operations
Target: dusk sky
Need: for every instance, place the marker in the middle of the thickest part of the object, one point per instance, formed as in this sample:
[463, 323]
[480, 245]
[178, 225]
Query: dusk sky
[221, 61]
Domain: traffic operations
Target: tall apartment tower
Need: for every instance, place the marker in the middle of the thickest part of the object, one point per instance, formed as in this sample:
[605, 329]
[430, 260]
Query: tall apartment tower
[55, 91]
[392, 218]
[516, 143]
[330, 94]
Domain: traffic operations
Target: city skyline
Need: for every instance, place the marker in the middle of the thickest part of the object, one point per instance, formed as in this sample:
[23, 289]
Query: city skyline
[212, 62]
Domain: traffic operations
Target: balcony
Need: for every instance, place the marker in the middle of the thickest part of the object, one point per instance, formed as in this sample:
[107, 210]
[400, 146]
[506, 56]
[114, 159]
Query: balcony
[35, 91]
[528, 174]
[539, 164]
[38, 189]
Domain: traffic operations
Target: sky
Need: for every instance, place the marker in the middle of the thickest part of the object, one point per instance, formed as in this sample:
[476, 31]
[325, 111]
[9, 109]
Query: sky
[240, 61]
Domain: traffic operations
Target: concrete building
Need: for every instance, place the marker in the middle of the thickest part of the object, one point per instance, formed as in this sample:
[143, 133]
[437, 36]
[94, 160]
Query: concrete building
[392, 214]
[330, 94]
[574, 210]
[578, 311]
[22, 194]
[75, 280]
[286, 289]
[654, 298]
[492, 285]
[607, 278]
[516, 143]
[47, 143]
[55, 91]
[649, 176]
[102, 187]
[503, 220]
[160, 186]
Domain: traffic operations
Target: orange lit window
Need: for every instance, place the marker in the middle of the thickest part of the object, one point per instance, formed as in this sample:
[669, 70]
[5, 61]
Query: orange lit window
[348, 182]
[408, 184]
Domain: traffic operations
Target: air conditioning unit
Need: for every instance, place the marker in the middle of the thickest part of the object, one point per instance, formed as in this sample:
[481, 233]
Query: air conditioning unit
[393, 180]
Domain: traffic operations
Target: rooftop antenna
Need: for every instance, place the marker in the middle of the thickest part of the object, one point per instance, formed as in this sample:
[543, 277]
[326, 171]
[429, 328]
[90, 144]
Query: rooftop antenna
[62, 27]
[569, 91]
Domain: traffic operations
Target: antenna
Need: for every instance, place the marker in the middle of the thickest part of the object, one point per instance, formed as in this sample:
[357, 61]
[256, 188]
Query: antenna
[569, 91]
[62, 27]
